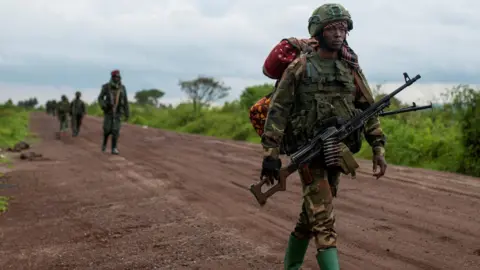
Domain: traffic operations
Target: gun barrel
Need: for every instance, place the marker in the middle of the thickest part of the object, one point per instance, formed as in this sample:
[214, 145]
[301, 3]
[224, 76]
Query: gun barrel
[407, 109]
[408, 81]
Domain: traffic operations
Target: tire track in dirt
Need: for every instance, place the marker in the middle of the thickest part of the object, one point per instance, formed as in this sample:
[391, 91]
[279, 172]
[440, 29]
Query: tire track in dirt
[178, 201]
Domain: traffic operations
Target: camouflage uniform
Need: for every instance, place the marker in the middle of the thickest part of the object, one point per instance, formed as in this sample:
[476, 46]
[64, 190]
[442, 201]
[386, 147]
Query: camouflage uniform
[78, 111]
[312, 89]
[63, 110]
[48, 107]
[51, 107]
[114, 102]
[54, 107]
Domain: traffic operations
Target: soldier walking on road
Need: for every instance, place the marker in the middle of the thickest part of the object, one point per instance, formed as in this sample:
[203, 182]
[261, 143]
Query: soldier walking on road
[51, 107]
[54, 108]
[63, 110]
[78, 111]
[48, 107]
[114, 102]
[326, 81]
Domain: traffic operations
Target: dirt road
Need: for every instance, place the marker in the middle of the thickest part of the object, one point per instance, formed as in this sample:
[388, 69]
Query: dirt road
[174, 201]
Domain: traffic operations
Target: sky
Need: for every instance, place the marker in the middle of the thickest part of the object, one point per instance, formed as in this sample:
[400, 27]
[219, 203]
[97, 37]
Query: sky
[54, 47]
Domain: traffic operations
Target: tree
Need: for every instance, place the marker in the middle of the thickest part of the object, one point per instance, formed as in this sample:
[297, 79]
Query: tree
[253, 93]
[28, 103]
[149, 97]
[466, 103]
[204, 90]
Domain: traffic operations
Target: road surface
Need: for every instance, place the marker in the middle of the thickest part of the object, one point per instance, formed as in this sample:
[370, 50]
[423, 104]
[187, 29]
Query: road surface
[177, 201]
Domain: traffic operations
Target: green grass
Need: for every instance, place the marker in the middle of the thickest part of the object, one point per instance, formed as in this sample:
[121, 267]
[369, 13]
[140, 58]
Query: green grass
[4, 159]
[13, 128]
[13, 125]
[3, 204]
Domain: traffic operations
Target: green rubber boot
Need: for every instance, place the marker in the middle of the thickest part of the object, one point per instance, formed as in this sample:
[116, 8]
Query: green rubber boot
[295, 253]
[328, 259]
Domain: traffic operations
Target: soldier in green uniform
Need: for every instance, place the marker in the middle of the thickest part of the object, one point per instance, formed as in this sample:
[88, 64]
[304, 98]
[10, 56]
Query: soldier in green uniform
[48, 107]
[324, 82]
[114, 102]
[63, 110]
[78, 111]
[54, 108]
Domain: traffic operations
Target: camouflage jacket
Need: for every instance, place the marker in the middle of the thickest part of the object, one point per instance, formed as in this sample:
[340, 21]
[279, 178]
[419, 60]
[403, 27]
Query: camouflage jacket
[111, 97]
[77, 107]
[312, 88]
[63, 108]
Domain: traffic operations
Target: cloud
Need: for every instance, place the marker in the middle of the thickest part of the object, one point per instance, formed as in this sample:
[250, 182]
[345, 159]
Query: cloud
[57, 45]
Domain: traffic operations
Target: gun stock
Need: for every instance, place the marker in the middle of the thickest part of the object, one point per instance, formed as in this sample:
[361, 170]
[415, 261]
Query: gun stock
[262, 197]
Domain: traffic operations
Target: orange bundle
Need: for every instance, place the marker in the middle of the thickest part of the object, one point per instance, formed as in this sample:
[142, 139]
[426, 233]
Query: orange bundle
[258, 114]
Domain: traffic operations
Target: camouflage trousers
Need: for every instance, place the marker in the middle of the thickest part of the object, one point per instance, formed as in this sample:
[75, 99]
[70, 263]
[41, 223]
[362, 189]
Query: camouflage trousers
[76, 123]
[63, 122]
[317, 218]
[111, 125]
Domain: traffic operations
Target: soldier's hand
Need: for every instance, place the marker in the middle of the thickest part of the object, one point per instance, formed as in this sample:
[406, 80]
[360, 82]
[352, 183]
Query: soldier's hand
[379, 161]
[270, 169]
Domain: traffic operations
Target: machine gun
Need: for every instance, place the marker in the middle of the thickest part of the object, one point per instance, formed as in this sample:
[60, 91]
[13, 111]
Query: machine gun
[334, 129]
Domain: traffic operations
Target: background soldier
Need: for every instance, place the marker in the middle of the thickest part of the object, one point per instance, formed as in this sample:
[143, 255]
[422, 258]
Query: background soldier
[325, 82]
[78, 111]
[54, 106]
[63, 110]
[48, 107]
[114, 102]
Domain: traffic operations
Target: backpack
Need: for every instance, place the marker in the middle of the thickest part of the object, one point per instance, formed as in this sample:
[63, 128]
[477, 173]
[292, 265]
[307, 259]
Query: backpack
[275, 64]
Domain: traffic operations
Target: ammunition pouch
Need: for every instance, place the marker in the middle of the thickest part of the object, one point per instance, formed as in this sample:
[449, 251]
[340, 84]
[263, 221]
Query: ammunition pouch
[348, 164]
[355, 141]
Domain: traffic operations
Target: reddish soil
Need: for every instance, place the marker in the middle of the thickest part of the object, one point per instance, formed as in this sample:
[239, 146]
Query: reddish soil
[176, 201]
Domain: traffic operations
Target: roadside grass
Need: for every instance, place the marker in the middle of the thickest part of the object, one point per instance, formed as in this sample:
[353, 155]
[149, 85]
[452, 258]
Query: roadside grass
[13, 129]
[13, 125]
[3, 204]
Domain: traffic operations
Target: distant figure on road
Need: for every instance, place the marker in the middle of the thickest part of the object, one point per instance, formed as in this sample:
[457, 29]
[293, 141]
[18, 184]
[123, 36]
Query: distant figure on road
[114, 102]
[63, 110]
[48, 107]
[54, 108]
[78, 110]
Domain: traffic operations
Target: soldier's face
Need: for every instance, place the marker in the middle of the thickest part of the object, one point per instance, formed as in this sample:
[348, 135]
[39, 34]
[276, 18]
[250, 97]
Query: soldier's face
[334, 36]
[116, 78]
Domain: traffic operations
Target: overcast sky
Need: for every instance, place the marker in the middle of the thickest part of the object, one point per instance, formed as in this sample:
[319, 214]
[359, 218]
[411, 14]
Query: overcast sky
[51, 47]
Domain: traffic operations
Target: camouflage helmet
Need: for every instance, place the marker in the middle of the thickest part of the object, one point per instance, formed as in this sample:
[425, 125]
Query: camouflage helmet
[78, 94]
[326, 14]
[64, 97]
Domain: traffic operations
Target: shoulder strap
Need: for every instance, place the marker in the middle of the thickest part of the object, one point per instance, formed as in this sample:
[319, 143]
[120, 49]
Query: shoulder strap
[303, 45]
[360, 82]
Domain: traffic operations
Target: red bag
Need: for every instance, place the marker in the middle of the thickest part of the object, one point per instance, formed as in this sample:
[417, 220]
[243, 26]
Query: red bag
[277, 61]
[284, 53]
